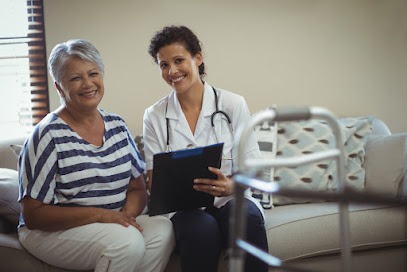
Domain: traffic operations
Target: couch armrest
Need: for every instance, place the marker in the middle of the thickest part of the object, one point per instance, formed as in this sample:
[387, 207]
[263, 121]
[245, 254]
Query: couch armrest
[385, 164]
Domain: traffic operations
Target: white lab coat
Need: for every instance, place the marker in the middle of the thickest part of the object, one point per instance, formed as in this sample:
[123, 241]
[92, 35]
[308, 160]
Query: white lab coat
[180, 134]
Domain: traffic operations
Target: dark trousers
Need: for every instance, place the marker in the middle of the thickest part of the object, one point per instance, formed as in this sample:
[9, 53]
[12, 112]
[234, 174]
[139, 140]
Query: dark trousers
[201, 235]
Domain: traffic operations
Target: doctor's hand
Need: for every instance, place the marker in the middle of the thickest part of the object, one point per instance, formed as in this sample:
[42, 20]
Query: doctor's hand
[222, 186]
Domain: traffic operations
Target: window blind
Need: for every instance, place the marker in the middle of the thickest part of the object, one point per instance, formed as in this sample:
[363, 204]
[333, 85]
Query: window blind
[37, 64]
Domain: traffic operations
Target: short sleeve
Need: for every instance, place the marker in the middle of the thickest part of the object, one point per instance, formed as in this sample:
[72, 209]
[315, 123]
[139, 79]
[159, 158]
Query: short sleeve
[38, 167]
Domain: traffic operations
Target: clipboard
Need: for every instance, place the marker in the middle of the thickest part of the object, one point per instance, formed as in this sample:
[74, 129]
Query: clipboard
[173, 178]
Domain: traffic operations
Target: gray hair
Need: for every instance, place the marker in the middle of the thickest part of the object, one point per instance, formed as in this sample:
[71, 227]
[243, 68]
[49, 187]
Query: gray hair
[77, 47]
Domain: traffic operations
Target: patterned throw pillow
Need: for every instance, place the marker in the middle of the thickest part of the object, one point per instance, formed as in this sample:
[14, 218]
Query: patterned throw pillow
[266, 135]
[301, 138]
[355, 132]
[306, 137]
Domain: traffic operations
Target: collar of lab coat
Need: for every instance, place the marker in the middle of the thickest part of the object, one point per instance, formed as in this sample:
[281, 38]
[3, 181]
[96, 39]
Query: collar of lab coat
[208, 105]
[174, 112]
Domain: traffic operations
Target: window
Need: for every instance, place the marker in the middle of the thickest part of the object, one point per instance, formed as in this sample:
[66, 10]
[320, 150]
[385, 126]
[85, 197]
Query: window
[24, 97]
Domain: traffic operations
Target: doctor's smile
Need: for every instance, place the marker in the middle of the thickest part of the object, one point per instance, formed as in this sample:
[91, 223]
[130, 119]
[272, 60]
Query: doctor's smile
[178, 79]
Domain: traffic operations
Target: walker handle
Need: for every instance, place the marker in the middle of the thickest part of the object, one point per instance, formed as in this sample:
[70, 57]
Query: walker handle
[292, 114]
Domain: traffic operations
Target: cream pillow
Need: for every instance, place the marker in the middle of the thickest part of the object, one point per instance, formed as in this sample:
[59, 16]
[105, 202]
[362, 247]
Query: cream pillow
[385, 164]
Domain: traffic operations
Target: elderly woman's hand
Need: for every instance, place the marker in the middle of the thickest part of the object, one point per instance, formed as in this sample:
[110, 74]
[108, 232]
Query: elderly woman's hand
[222, 186]
[118, 217]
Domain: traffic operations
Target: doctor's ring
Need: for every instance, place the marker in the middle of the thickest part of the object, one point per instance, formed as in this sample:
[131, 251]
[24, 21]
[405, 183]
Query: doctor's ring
[213, 188]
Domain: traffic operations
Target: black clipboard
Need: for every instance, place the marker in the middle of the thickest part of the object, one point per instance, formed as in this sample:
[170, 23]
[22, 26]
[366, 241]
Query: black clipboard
[173, 178]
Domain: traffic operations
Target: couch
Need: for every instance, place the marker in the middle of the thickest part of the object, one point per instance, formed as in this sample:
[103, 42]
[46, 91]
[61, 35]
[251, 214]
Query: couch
[300, 232]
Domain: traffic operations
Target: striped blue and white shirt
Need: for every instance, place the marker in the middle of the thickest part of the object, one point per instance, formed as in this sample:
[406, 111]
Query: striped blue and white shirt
[58, 167]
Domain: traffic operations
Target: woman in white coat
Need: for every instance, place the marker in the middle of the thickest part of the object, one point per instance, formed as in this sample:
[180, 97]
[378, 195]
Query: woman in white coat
[183, 119]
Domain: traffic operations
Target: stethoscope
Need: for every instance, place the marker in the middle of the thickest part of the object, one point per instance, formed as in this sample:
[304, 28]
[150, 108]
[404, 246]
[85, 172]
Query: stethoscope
[217, 111]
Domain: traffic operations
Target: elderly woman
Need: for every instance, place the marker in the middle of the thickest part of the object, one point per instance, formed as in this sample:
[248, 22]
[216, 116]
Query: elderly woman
[82, 190]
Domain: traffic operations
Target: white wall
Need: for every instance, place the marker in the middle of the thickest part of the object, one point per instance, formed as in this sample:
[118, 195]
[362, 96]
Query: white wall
[348, 56]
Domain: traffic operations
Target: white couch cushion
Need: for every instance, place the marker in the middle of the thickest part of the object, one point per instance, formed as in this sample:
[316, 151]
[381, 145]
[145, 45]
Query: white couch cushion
[385, 164]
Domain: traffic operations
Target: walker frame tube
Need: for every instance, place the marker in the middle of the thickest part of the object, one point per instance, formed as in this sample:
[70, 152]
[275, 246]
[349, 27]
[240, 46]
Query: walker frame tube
[246, 168]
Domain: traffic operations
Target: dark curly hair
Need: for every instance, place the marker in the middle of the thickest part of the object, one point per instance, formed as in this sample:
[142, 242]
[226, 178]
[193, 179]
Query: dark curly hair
[176, 34]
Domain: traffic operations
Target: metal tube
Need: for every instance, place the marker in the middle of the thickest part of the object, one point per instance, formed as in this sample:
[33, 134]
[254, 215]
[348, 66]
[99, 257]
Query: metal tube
[248, 166]
[237, 230]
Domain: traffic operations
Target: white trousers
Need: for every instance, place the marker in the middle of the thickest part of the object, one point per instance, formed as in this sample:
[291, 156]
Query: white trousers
[105, 247]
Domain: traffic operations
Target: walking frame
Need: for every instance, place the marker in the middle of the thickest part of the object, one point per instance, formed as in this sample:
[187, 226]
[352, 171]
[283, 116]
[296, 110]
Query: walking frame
[245, 178]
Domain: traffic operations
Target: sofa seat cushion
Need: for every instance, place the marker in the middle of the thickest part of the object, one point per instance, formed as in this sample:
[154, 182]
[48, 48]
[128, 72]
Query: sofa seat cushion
[307, 230]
